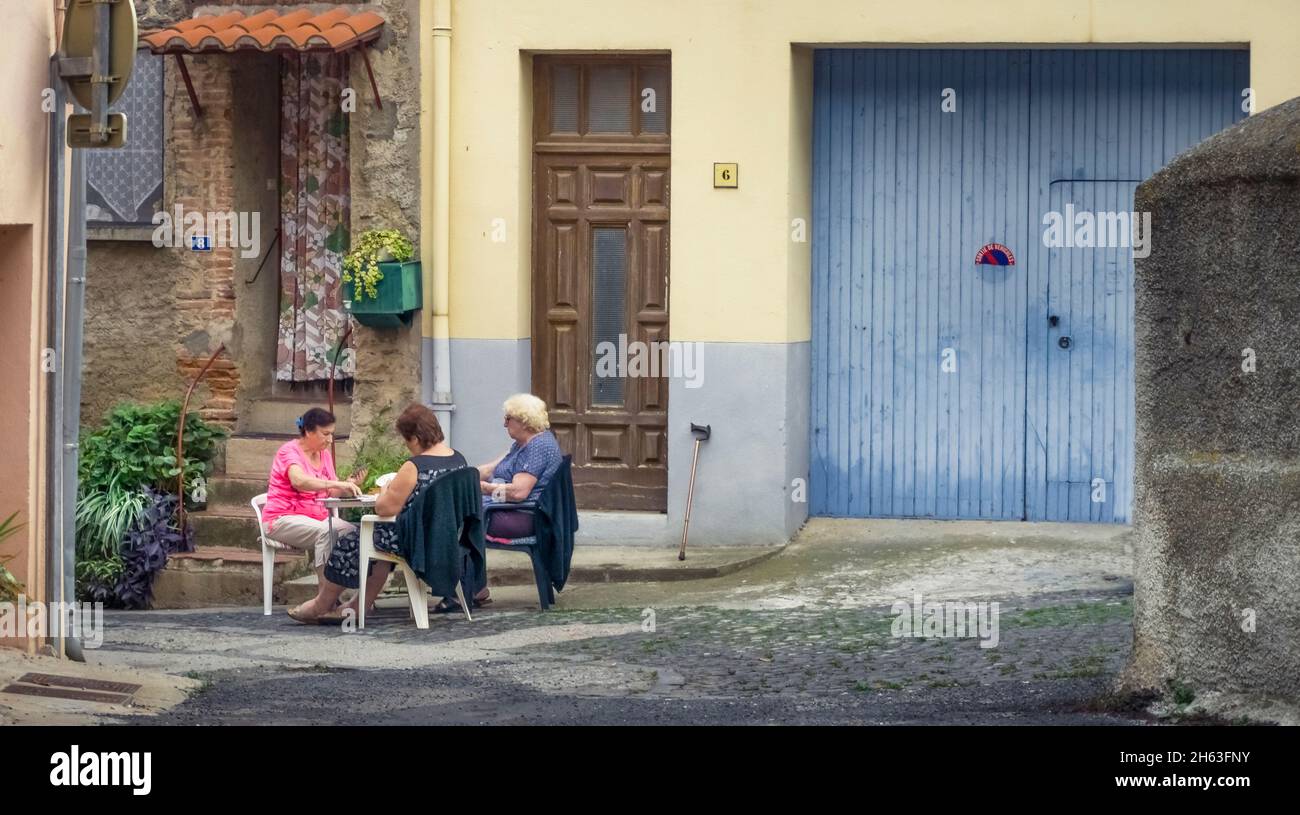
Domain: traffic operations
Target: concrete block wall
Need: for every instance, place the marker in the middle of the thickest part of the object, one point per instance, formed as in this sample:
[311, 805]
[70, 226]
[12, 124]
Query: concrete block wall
[1217, 481]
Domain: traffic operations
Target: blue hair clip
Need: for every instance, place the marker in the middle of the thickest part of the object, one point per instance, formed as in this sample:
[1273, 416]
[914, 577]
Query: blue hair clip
[298, 422]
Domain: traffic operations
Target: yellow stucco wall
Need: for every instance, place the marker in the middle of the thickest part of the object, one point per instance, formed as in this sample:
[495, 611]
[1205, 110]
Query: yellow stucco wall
[23, 210]
[742, 92]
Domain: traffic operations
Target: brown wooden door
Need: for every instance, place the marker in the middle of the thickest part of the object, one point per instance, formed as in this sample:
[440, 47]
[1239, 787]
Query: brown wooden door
[600, 272]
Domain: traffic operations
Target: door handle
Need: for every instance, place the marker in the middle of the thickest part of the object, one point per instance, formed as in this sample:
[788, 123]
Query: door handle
[1064, 342]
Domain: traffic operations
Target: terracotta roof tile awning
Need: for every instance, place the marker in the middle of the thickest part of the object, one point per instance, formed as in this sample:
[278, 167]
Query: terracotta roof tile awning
[335, 30]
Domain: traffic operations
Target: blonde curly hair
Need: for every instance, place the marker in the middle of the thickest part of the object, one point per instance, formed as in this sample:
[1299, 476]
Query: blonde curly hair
[528, 409]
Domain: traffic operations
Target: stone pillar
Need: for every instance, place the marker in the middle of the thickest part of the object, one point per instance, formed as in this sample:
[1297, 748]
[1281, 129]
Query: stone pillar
[385, 185]
[1217, 481]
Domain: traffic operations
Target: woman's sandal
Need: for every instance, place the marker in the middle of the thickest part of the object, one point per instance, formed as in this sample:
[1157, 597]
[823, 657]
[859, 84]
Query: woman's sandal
[335, 616]
[295, 613]
[450, 605]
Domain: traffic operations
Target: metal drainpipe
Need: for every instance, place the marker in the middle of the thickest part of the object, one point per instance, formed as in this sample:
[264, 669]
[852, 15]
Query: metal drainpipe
[426, 202]
[55, 242]
[74, 309]
[435, 220]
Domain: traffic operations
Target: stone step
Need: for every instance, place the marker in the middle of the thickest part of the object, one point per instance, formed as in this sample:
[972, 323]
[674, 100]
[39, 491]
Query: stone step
[223, 576]
[251, 453]
[276, 415]
[626, 528]
[232, 527]
[235, 490]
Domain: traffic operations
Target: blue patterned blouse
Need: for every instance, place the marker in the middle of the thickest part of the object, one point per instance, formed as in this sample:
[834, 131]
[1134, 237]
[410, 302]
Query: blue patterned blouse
[540, 457]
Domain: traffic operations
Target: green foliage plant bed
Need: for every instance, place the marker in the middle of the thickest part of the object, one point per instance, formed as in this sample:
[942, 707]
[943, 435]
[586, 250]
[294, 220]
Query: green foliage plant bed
[126, 505]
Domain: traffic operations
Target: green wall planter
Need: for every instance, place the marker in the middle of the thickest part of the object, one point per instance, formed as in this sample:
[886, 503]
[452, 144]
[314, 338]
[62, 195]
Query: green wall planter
[399, 295]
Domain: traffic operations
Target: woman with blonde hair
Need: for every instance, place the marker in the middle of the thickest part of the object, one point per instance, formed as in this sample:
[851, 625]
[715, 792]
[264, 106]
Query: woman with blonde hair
[519, 474]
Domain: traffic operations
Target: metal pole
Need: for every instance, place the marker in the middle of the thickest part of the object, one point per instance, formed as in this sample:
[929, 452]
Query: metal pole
[99, 78]
[70, 370]
[180, 442]
[690, 498]
[338, 349]
[56, 246]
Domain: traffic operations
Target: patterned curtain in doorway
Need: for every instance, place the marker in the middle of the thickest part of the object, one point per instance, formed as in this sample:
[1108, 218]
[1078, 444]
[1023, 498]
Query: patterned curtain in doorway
[314, 218]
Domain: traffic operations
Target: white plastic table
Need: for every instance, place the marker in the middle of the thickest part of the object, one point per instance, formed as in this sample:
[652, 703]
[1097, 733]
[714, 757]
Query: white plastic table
[335, 504]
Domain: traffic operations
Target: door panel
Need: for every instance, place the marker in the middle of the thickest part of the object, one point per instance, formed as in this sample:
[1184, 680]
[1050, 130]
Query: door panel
[1102, 121]
[1089, 364]
[918, 353]
[601, 285]
[905, 191]
[600, 267]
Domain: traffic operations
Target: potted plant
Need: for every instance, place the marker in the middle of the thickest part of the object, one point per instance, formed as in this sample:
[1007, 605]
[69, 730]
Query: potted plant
[380, 280]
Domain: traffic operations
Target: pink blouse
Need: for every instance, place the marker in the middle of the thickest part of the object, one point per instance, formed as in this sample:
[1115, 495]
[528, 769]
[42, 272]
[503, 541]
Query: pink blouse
[282, 498]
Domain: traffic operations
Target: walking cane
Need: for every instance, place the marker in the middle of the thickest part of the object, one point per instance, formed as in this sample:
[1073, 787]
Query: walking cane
[702, 433]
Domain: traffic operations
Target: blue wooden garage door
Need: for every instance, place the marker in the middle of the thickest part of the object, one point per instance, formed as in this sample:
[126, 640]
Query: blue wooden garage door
[942, 388]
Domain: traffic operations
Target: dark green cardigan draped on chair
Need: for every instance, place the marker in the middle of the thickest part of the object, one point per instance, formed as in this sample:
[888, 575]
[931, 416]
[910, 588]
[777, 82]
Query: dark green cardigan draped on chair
[428, 539]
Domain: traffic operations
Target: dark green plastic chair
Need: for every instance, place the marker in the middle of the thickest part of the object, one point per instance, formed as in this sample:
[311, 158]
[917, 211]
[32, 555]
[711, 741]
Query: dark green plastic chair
[562, 482]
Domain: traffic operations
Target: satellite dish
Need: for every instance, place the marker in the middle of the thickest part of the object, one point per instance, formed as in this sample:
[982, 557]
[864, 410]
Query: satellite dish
[79, 44]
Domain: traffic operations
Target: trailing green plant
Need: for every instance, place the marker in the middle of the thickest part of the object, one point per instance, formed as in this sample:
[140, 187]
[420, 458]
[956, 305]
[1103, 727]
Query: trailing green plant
[103, 516]
[361, 264]
[10, 588]
[1183, 694]
[377, 459]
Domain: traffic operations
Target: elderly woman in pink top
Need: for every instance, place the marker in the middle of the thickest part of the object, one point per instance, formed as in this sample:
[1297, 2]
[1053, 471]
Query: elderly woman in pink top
[301, 475]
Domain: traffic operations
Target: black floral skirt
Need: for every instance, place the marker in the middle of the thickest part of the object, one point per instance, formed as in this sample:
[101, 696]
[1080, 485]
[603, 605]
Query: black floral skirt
[344, 566]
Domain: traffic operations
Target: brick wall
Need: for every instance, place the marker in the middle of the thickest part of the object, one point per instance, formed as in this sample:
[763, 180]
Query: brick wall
[202, 177]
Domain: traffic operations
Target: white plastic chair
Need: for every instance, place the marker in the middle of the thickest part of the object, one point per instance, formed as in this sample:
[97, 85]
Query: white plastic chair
[416, 589]
[269, 548]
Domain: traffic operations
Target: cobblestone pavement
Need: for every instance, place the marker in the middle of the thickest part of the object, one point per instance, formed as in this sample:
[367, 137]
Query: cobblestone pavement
[1055, 655]
[806, 636]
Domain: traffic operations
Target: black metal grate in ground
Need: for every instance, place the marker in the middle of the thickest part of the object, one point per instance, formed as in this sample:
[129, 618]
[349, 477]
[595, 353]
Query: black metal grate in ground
[72, 687]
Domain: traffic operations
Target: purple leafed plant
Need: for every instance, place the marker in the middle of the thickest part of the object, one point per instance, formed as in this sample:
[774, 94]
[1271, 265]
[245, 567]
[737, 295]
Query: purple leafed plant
[146, 546]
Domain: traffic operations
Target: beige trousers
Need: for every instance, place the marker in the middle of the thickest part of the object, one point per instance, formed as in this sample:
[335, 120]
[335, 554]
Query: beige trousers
[302, 532]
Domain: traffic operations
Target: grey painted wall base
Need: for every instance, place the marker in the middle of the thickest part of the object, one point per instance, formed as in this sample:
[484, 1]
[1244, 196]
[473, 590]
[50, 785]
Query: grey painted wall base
[626, 529]
[483, 374]
[755, 397]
